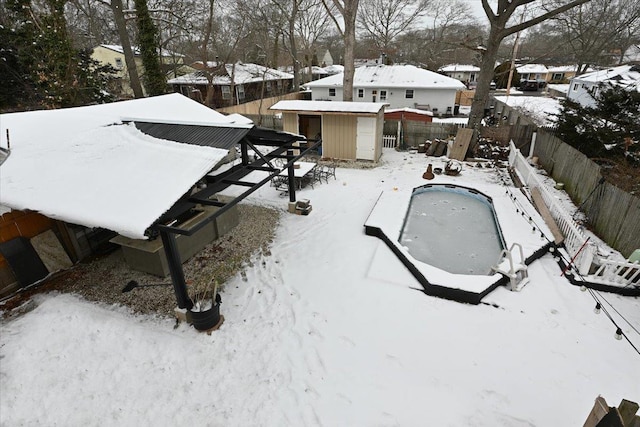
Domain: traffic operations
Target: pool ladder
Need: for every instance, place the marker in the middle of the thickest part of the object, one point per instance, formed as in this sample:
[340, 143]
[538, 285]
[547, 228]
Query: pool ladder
[517, 273]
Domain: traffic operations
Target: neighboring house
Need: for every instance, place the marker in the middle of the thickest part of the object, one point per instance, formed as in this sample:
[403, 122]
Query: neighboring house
[396, 85]
[563, 73]
[467, 74]
[233, 83]
[334, 69]
[349, 130]
[584, 88]
[307, 74]
[114, 56]
[537, 72]
[327, 59]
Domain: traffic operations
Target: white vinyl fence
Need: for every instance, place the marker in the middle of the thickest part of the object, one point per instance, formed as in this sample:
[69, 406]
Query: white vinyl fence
[389, 141]
[583, 252]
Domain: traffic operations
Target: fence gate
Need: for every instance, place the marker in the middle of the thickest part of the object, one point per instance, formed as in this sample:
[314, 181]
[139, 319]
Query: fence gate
[389, 141]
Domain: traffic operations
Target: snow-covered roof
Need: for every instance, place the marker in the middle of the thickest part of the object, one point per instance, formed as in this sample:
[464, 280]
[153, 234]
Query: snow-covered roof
[388, 76]
[328, 106]
[562, 69]
[531, 69]
[136, 50]
[627, 76]
[451, 68]
[85, 166]
[334, 69]
[243, 74]
[408, 110]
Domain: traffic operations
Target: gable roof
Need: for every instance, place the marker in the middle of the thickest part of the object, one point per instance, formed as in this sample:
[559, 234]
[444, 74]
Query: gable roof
[627, 76]
[328, 106]
[242, 73]
[86, 166]
[531, 69]
[391, 76]
[451, 68]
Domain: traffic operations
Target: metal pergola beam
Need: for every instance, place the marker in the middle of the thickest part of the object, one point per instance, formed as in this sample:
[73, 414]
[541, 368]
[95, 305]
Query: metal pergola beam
[215, 184]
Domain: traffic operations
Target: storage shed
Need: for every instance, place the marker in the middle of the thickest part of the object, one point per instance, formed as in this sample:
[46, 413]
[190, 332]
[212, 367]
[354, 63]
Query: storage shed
[349, 130]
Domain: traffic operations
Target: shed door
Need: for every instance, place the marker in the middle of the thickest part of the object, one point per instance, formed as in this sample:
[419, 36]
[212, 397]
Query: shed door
[366, 138]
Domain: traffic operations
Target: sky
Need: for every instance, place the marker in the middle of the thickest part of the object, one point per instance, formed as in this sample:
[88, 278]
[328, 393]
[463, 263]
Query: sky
[328, 330]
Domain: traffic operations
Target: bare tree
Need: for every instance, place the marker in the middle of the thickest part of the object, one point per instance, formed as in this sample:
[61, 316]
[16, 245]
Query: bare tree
[125, 42]
[498, 31]
[310, 27]
[594, 29]
[384, 20]
[448, 22]
[348, 10]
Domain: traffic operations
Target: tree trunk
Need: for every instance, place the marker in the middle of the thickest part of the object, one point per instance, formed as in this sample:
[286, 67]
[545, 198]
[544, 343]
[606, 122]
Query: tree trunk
[129, 57]
[350, 13]
[487, 67]
[293, 49]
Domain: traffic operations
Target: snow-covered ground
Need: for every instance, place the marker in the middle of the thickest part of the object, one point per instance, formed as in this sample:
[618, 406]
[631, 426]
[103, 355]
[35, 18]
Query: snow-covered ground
[540, 109]
[327, 331]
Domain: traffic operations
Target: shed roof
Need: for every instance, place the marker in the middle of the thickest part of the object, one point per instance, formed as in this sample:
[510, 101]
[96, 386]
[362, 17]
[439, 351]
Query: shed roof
[86, 166]
[388, 76]
[329, 106]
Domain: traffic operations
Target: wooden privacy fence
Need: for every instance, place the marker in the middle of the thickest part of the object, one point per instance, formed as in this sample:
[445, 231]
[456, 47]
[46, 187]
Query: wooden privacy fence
[574, 239]
[613, 213]
[582, 252]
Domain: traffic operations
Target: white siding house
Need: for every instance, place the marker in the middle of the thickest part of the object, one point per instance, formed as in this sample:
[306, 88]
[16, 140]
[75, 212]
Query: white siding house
[584, 88]
[465, 73]
[536, 72]
[396, 85]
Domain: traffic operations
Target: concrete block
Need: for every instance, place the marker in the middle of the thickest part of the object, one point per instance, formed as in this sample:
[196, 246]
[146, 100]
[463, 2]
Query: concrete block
[228, 220]
[149, 256]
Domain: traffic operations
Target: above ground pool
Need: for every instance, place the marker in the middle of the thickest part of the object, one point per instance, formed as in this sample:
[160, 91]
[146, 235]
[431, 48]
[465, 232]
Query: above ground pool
[449, 237]
[452, 228]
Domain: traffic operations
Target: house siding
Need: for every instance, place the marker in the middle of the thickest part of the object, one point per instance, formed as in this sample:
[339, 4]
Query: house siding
[379, 134]
[440, 99]
[338, 136]
[290, 122]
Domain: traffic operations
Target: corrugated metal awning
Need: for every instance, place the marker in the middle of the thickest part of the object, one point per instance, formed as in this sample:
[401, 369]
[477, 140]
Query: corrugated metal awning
[224, 137]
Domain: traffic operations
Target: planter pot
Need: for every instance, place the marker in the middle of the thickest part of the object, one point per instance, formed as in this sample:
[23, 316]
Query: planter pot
[206, 319]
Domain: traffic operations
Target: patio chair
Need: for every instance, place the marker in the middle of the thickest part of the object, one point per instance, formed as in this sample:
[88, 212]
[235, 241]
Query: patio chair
[327, 171]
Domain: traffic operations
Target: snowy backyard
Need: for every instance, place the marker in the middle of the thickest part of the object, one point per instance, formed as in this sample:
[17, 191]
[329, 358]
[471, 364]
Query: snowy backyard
[329, 330]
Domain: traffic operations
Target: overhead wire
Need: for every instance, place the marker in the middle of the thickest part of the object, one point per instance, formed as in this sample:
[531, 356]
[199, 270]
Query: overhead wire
[594, 293]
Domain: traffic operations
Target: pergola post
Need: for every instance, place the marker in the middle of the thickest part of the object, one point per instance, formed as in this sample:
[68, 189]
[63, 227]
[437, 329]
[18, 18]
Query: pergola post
[175, 268]
[292, 180]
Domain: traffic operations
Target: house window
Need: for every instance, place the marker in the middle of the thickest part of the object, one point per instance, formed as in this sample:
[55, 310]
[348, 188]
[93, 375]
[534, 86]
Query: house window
[408, 94]
[240, 91]
[268, 86]
[575, 86]
[332, 92]
[360, 93]
[557, 76]
[119, 64]
[383, 95]
[226, 92]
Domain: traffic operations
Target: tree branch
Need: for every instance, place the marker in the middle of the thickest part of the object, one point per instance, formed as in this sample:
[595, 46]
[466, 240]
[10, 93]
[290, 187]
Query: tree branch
[530, 23]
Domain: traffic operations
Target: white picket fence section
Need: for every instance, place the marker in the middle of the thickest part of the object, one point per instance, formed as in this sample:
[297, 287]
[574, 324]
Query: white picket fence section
[389, 141]
[575, 240]
[609, 272]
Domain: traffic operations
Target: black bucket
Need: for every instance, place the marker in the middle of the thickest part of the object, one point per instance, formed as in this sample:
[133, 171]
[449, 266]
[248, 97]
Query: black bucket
[207, 319]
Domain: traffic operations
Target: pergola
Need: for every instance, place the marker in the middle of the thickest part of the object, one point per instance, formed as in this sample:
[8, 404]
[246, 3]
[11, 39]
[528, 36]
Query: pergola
[282, 144]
